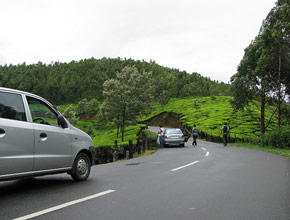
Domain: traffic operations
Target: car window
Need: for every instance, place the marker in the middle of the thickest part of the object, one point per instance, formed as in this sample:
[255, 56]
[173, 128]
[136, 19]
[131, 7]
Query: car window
[173, 131]
[11, 106]
[40, 112]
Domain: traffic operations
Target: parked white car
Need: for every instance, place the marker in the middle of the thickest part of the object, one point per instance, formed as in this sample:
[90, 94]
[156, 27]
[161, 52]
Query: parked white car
[35, 139]
[174, 137]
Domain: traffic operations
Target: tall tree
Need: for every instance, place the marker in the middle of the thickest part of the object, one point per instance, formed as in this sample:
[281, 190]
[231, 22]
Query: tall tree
[127, 97]
[266, 61]
[275, 31]
[251, 81]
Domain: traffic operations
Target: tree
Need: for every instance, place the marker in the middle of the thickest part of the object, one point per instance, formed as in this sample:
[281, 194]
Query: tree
[275, 31]
[266, 61]
[87, 109]
[251, 81]
[127, 97]
[163, 98]
[71, 115]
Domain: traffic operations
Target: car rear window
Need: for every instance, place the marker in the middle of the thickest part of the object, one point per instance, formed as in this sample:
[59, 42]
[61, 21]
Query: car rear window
[173, 131]
[11, 106]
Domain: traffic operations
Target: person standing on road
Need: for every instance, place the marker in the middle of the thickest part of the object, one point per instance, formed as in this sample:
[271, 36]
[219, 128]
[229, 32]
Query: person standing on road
[161, 136]
[194, 134]
[225, 131]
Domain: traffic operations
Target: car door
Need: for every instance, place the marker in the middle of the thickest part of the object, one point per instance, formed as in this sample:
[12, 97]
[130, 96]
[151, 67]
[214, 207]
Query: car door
[16, 136]
[53, 144]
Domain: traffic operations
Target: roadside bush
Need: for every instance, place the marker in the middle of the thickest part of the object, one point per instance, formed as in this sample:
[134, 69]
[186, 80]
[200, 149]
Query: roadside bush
[257, 141]
[152, 139]
[104, 154]
[279, 137]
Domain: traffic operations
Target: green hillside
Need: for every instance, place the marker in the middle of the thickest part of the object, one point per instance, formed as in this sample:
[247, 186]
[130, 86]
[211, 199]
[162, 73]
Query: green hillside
[63, 83]
[210, 113]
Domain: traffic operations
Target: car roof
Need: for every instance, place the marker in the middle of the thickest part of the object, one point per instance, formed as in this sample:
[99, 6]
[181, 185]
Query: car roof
[29, 94]
[16, 91]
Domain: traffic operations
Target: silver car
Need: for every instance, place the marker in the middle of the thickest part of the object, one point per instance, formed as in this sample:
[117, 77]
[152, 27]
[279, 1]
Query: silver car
[35, 139]
[173, 136]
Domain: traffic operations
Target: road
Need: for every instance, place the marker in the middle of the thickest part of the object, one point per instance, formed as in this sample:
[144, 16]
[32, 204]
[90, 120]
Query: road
[207, 182]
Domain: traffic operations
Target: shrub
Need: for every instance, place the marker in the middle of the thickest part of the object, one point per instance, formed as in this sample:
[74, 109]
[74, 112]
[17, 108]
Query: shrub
[104, 154]
[279, 137]
[152, 139]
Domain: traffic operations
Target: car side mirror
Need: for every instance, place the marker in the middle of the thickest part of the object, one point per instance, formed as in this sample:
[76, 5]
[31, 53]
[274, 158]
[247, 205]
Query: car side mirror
[61, 121]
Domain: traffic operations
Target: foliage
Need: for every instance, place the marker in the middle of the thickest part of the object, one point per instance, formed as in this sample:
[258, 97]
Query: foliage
[63, 83]
[126, 97]
[163, 98]
[70, 114]
[104, 153]
[212, 114]
[152, 138]
[279, 137]
[266, 61]
[87, 109]
[103, 133]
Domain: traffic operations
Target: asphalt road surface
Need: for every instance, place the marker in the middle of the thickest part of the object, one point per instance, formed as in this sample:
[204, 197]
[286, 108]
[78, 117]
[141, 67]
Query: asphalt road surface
[207, 182]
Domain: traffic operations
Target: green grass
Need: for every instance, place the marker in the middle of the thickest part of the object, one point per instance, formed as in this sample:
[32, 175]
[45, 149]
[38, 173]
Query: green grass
[283, 152]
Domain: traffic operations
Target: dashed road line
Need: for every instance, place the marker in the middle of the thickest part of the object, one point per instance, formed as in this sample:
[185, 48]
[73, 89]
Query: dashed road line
[63, 205]
[178, 168]
[207, 153]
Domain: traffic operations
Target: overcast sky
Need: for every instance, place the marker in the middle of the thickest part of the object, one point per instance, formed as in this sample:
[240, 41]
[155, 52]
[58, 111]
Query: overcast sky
[208, 37]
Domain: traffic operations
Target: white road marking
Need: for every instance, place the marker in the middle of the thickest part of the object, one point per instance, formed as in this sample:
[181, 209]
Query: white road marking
[63, 205]
[207, 153]
[178, 168]
[203, 148]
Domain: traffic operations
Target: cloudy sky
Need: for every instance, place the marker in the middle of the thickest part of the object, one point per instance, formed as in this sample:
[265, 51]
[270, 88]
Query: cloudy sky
[208, 37]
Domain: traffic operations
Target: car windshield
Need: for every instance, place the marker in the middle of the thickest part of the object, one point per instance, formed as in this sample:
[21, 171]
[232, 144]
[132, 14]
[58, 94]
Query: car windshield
[173, 131]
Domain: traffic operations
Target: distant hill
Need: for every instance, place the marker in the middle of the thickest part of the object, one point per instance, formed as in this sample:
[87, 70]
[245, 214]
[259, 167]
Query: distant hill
[63, 83]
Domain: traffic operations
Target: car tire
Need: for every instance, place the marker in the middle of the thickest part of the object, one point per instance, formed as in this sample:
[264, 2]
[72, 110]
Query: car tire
[81, 168]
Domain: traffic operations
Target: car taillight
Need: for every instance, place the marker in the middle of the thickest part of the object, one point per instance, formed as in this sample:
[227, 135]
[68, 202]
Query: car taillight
[182, 136]
[165, 136]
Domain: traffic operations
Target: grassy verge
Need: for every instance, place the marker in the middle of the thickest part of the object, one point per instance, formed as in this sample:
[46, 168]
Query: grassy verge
[283, 152]
[146, 153]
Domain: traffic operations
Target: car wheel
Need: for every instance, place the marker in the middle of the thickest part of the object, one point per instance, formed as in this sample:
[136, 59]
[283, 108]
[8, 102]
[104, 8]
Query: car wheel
[182, 145]
[81, 168]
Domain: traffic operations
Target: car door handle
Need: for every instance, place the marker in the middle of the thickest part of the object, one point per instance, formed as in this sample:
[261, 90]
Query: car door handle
[2, 132]
[43, 135]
